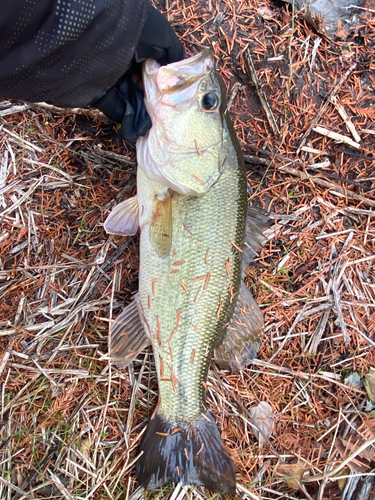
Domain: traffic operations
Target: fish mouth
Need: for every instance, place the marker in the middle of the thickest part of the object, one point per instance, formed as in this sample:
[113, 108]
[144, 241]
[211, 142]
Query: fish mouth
[187, 165]
[179, 75]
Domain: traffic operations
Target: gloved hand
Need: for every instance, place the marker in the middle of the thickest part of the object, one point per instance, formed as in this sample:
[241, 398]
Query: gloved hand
[124, 101]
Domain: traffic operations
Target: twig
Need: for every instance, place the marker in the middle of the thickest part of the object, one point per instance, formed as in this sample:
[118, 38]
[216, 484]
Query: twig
[324, 107]
[337, 137]
[46, 372]
[333, 472]
[124, 160]
[349, 124]
[359, 211]
[15, 488]
[3, 362]
[22, 199]
[95, 114]
[312, 346]
[236, 88]
[358, 7]
[334, 188]
[17, 108]
[262, 96]
[299, 316]
[21, 141]
[59, 485]
[305, 376]
[253, 496]
[249, 159]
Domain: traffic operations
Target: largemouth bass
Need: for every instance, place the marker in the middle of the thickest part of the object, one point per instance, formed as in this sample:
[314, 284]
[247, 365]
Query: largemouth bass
[191, 207]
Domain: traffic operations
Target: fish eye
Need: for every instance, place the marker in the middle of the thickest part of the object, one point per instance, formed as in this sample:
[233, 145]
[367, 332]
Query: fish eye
[210, 101]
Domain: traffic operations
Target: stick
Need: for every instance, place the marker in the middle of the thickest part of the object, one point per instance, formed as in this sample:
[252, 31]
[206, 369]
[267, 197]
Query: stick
[337, 137]
[333, 472]
[262, 96]
[333, 188]
[344, 115]
[324, 107]
[95, 114]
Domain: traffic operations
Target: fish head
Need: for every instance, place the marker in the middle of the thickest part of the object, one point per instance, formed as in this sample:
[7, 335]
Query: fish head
[183, 150]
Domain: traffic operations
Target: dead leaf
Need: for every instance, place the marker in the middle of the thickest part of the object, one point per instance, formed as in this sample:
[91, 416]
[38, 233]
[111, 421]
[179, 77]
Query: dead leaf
[261, 417]
[362, 462]
[369, 381]
[354, 380]
[342, 480]
[292, 474]
[86, 448]
[265, 12]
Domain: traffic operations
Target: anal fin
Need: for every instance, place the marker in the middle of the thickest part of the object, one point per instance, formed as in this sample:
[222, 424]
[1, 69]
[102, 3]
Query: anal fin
[128, 336]
[243, 334]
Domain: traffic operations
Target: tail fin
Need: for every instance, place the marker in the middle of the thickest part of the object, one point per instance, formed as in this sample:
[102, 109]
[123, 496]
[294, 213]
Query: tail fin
[192, 455]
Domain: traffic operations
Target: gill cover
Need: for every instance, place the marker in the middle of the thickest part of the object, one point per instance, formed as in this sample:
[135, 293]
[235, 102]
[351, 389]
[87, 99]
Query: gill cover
[183, 150]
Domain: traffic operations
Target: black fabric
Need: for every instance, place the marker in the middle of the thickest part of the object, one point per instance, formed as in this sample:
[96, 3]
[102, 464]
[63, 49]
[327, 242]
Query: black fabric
[124, 102]
[158, 40]
[83, 52]
[66, 52]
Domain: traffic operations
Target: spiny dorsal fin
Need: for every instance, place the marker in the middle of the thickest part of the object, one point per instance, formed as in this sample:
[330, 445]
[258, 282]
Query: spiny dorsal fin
[257, 222]
[128, 336]
[243, 335]
[160, 231]
[124, 218]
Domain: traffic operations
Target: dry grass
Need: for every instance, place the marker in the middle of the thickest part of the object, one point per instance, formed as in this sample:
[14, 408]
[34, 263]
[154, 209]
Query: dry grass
[70, 423]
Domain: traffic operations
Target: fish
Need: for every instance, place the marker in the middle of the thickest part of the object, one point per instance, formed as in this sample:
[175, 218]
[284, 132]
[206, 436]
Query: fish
[196, 235]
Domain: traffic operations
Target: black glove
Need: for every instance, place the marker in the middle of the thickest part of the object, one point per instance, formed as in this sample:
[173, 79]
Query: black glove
[124, 101]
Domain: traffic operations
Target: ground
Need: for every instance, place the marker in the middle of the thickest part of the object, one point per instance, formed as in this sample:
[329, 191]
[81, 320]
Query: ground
[71, 423]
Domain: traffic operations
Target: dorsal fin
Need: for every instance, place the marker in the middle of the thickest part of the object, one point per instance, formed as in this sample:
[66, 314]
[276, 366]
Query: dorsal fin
[257, 221]
[243, 334]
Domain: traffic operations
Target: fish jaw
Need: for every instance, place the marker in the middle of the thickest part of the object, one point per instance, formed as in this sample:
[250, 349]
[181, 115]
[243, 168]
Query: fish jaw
[183, 149]
[171, 78]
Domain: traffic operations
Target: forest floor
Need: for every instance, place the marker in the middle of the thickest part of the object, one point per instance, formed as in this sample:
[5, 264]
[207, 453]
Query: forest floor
[71, 423]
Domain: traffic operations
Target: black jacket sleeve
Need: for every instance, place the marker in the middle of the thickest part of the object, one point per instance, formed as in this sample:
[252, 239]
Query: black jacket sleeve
[66, 52]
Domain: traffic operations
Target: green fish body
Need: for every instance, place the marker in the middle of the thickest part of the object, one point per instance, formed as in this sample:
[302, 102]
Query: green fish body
[192, 300]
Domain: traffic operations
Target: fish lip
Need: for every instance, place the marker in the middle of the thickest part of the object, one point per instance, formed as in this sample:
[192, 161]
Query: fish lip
[171, 78]
[152, 66]
[205, 54]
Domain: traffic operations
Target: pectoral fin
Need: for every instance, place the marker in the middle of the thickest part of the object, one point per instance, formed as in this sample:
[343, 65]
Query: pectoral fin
[124, 218]
[128, 336]
[243, 336]
[160, 231]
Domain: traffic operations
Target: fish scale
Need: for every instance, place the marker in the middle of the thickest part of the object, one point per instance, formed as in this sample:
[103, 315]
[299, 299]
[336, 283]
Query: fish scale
[191, 208]
[215, 221]
[187, 405]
